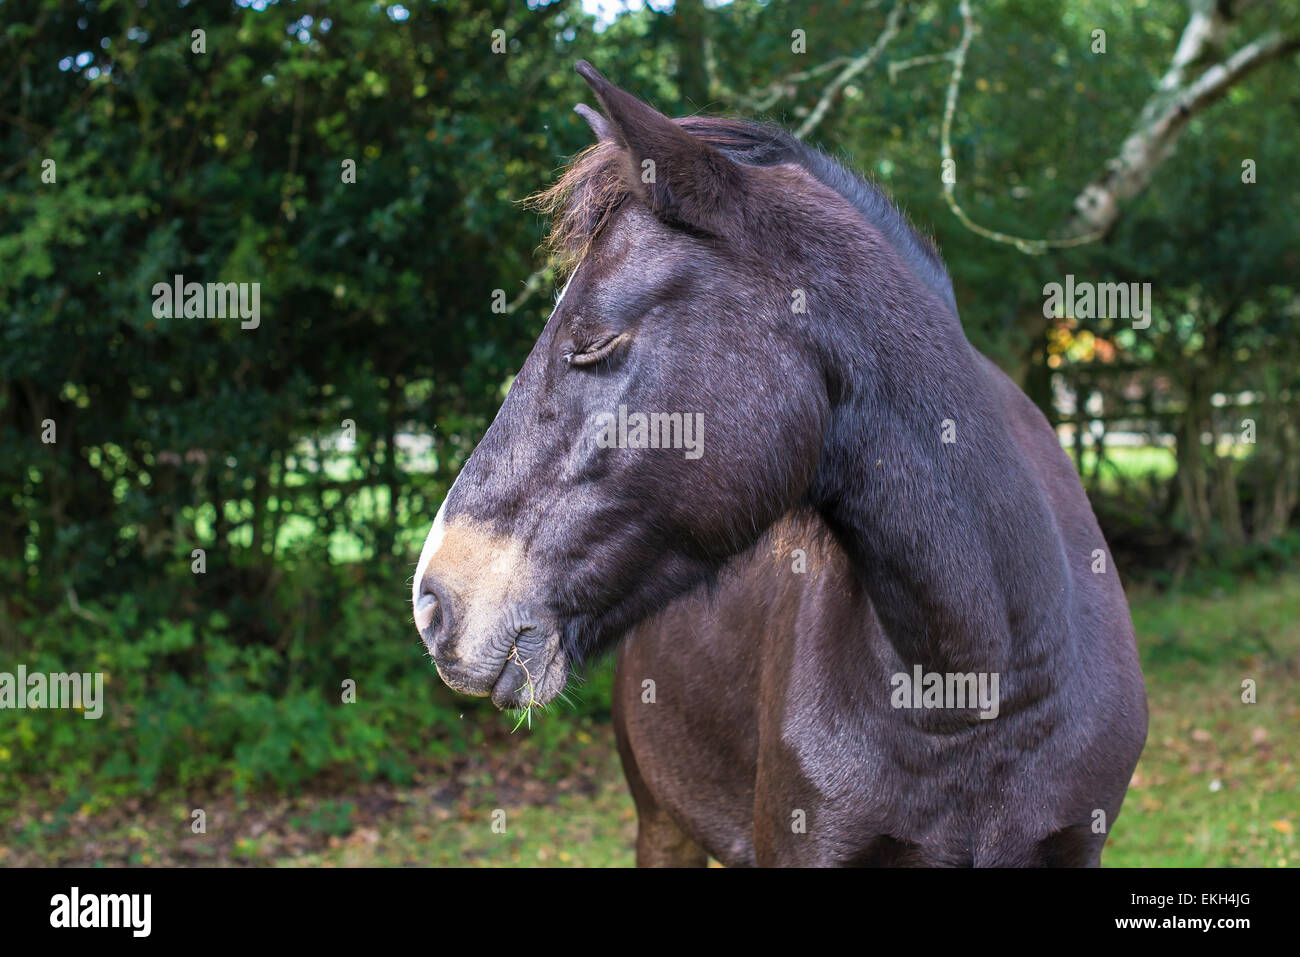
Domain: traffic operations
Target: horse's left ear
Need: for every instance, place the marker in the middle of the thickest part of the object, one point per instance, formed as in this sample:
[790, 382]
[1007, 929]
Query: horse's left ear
[683, 180]
[599, 125]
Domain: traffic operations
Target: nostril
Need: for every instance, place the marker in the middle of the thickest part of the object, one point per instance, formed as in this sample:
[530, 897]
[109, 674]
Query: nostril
[426, 609]
[430, 613]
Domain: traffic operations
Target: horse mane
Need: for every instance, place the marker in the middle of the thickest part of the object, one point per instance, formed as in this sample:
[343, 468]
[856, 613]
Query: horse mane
[593, 187]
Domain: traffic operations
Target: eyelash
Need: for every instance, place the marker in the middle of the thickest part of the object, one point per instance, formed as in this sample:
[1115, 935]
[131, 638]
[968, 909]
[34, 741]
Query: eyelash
[590, 356]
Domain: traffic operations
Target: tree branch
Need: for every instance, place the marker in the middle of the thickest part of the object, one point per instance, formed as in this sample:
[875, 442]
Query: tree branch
[540, 277]
[852, 69]
[1161, 124]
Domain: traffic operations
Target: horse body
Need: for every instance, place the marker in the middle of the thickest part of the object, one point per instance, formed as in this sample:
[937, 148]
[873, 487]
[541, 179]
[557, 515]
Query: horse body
[797, 755]
[728, 275]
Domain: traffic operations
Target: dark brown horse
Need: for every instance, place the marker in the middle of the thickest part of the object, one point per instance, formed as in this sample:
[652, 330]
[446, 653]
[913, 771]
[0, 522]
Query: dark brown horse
[870, 617]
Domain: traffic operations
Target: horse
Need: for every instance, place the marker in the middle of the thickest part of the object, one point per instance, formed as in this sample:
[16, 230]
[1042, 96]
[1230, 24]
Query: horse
[864, 612]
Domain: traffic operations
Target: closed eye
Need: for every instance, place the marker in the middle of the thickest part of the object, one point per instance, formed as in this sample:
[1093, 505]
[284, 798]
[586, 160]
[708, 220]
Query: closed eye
[593, 353]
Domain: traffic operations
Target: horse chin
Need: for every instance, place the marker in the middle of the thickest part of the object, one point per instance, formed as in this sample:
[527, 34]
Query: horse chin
[534, 674]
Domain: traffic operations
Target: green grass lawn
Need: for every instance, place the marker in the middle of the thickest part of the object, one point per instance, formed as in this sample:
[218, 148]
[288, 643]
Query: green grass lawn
[1216, 786]
[1132, 461]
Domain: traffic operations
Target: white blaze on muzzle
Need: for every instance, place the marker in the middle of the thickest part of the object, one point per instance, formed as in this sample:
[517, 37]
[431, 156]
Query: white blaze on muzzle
[432, 542]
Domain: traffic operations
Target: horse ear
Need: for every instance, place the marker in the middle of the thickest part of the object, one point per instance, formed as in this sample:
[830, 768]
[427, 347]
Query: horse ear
[599, 125]
[683, 180]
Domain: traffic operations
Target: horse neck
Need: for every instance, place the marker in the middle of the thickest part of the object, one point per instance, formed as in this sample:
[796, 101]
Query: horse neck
[954, 541]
